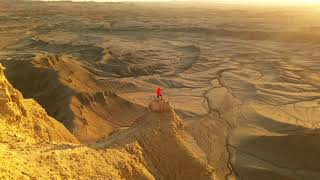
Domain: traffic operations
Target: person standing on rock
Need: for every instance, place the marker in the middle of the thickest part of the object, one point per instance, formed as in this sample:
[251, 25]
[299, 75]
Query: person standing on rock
[159, 94]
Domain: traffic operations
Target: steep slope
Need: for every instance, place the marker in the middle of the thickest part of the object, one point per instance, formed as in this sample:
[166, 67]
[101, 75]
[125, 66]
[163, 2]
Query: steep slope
[72, 94]
[27, 117]
[159, 134]
[34, 145]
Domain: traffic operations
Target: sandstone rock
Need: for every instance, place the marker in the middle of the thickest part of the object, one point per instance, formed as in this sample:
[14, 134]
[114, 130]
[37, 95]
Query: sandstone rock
[160, 106]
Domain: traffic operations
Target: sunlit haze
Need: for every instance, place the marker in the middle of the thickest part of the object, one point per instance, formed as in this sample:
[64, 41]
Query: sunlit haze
[289, 2]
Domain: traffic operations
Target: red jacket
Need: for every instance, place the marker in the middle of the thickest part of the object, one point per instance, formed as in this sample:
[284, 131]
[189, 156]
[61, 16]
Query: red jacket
[159, 92]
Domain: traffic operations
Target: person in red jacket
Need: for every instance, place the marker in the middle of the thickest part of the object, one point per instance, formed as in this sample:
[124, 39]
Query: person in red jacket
[159, 94]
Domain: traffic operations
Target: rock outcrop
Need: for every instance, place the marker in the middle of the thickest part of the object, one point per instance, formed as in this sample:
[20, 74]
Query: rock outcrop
[159, 140]
[34, 145]
[28, 117]
[160, 106]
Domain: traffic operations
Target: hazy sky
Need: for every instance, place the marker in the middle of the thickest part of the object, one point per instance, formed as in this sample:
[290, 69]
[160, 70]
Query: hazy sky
[235, 1]
[272, 1]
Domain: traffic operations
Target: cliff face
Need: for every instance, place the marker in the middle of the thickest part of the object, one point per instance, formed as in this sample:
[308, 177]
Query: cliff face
[159, 140]
[34, 145]
[72, 94]
[28, 117]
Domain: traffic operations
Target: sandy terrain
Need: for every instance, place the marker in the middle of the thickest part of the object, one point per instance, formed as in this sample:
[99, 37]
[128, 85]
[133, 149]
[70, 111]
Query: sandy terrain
[36, 146]
[243, 82]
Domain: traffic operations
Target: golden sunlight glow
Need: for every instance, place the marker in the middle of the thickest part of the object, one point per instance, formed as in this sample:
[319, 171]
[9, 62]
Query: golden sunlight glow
[272, 1]
[297, 2]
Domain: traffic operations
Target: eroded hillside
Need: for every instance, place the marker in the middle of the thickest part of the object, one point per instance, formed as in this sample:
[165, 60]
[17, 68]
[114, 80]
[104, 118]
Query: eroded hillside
[34, 145]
